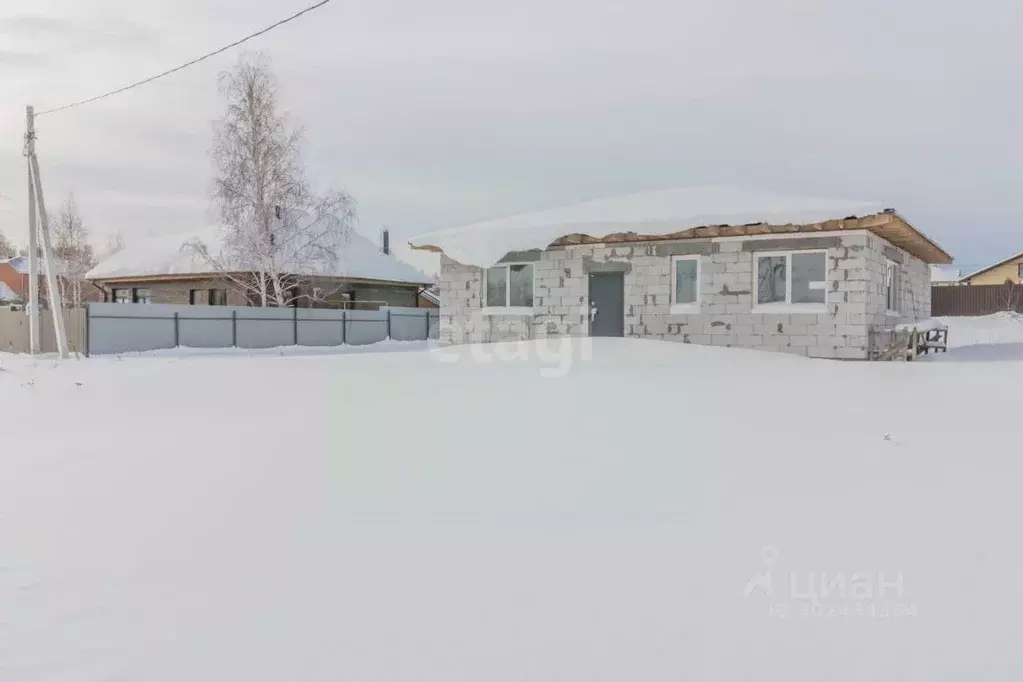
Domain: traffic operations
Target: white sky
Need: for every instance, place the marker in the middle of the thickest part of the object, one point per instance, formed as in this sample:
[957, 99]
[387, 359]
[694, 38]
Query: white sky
[439, 113]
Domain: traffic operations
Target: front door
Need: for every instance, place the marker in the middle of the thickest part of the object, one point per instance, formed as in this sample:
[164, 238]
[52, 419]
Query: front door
[607, 304]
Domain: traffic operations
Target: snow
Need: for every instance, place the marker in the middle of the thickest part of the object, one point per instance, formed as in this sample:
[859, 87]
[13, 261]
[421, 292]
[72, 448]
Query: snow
[167, 255]
[20, 265]
[921, 325]
[7, 293]
[511, 512]
[657, 212]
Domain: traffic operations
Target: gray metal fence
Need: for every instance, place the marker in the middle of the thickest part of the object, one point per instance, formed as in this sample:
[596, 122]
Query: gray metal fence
[120, 328]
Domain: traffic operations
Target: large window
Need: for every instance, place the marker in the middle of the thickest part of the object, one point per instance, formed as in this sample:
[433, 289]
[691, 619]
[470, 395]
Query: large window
[198, 296]
[791, 278]
[123, 296]
[509, 286]
[685, 284]
[143, 295]
[218, 296]
[892, 286]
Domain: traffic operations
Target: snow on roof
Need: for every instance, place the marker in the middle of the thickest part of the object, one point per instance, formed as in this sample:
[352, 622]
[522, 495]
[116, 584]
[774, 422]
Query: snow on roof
[8, 294]
[657, 212]
[20, 265]
[169, 254]
[941, 273]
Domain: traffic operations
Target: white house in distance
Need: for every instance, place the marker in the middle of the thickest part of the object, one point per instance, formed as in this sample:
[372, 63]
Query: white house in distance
[710, 265]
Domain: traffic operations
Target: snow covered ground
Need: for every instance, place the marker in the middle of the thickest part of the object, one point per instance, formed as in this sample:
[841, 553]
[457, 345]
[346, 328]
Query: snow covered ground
[628, 511]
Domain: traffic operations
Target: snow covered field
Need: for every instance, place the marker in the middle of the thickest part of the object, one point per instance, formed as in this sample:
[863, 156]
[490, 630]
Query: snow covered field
[653, 512]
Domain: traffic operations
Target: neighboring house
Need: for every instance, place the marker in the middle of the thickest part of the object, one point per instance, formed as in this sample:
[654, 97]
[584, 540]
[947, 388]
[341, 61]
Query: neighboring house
[1007, 271]
[165, 270]
[715, 266]
[943, 276]
[14, 273]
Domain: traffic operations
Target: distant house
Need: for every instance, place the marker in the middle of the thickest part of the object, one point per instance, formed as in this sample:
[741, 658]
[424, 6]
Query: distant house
[711, 265]
[1008, 271]
[15, 278]
[945, 276]
[164, 269]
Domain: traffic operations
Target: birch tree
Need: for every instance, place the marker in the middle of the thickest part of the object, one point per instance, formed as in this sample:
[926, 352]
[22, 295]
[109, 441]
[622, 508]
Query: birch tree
[73, 252]
[276, 232]
[7, 249]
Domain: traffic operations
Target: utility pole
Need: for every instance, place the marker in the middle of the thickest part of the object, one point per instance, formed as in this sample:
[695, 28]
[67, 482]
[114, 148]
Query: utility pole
[33, 246]
[35, 180]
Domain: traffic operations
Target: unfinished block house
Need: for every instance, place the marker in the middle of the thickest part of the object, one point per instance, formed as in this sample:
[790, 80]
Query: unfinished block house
[716, 266]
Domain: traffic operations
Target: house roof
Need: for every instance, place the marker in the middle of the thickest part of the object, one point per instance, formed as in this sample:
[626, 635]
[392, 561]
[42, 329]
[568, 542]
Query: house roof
[992, 267]
[430, 296]
[684, 213]
[20, 265]
[169, 255]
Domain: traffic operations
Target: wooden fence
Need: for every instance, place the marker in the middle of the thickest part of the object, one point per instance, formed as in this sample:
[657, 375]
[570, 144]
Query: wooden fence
[976, 299]
[14, 333]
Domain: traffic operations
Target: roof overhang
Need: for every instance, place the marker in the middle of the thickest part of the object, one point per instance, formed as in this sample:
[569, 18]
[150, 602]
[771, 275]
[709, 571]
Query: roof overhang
[888, 225]
[206, 276]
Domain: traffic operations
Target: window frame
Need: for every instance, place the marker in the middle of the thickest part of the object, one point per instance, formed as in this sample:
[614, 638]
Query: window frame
[787, 305]
[212, 291]
[896, 282]
[694, 306]
[135, 294]
[129, 296]
[192, 296]
[1019, 270]
[508, 309]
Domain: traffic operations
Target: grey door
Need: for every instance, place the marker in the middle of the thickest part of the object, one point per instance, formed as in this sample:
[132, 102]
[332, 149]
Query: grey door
[607, 304]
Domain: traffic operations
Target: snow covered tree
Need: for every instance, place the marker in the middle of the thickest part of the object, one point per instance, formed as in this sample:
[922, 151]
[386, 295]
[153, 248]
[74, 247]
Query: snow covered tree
[72, 250]
[275, 230]
[7, 249]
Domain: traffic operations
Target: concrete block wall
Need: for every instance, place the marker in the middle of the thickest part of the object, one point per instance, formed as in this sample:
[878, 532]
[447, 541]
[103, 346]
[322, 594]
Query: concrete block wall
[726, 316]
[914, 290]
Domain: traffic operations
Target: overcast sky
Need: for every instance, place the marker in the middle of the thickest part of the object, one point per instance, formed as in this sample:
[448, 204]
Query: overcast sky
[439, 113]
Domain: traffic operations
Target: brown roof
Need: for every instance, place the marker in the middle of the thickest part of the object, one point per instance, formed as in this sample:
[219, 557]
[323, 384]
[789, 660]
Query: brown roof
[888, 225]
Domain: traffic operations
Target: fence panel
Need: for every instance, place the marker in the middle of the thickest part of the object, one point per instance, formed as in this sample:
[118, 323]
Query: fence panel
[976, 299]
[118, 328]
[15, 337]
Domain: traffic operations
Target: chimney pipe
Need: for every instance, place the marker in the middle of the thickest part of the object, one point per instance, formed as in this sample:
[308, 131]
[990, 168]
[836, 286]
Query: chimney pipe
[387, 241]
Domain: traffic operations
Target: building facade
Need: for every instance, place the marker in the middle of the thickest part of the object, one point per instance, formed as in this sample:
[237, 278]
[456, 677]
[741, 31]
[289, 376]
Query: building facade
[819, 295]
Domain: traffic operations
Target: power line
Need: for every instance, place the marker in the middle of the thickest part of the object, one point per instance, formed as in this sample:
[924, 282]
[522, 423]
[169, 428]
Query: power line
[187, 64]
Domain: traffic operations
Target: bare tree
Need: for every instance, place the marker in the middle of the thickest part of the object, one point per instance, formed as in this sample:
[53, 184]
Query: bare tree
[276, 232]
[7, 249]
[115, 244]
[72, 250]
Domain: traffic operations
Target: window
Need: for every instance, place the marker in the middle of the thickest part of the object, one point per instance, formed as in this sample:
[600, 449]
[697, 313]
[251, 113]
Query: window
[892, 285]
[1019, 270]
[143, 295]
[218, 296]
[198, 297]
[122, 296]
[685, 284]
[793, 278]
[509, 286]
